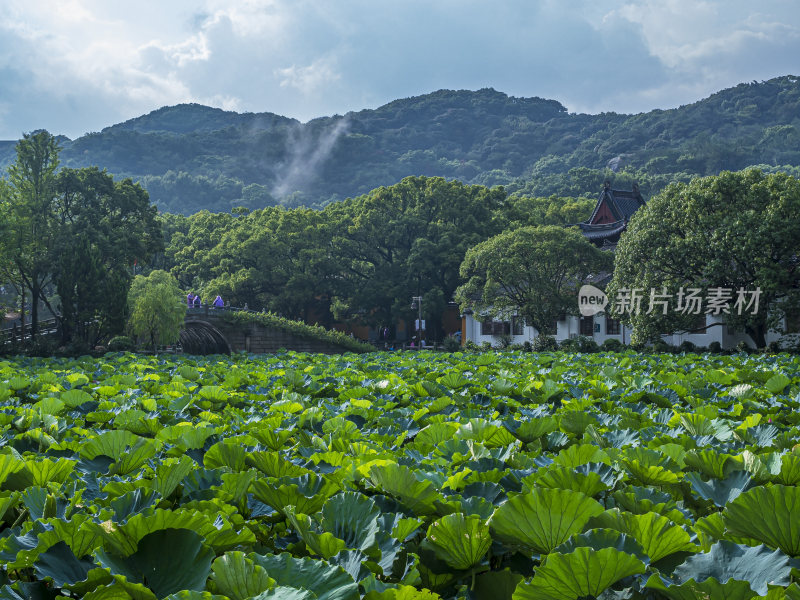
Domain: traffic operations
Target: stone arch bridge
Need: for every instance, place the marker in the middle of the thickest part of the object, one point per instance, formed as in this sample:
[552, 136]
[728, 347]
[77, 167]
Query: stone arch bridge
[206, 331]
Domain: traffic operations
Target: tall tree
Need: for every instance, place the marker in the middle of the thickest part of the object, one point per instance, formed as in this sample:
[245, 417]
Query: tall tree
[408, 240]
[718, 234]
[28, 212]
[103, 228]
[534, 272]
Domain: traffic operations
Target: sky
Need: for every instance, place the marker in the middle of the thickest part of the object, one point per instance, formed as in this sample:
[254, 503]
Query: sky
[77, 66]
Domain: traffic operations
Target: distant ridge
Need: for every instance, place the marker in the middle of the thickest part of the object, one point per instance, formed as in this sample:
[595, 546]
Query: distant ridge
[192, 157]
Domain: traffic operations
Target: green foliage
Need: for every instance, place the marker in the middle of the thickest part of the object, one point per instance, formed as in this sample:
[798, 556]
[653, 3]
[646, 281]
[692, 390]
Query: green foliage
[734, 231]
[157, 308]
[400, 475]
[531, 271]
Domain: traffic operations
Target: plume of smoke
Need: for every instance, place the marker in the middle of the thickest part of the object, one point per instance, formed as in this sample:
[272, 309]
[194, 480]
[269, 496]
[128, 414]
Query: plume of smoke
[305, 156]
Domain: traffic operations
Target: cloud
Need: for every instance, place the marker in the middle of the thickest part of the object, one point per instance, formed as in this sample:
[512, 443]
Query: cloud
[309, 79]
[79, 65]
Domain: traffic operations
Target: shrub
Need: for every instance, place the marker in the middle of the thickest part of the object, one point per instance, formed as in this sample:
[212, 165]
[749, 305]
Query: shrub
[715, 347]
[526, 346]
[451, 344]
[581, 343]
[662, 347]
[544, 343]
[120, 343]
[485, 346]
[471, 346]
[687, 346]
[504, 341]
[613, 345]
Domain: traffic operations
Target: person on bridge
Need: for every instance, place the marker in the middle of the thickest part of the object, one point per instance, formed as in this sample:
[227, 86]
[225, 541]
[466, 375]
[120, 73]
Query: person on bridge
[218, 303]
[190, 300]
[197, 301]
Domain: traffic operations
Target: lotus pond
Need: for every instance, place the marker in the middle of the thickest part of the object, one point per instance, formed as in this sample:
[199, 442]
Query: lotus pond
[400, 476]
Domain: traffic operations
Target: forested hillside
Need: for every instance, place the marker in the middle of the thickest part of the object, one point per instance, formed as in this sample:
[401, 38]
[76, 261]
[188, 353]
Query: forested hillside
[191, 157]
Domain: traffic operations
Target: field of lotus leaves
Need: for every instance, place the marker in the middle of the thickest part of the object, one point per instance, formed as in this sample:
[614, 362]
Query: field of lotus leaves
[400, 476]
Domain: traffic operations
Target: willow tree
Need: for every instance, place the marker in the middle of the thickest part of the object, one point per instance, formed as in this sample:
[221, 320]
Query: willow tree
[157, 309]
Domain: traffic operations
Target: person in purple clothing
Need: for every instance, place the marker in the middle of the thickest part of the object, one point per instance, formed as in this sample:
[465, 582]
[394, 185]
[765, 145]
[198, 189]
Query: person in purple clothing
[218, 303]
[197, 301]
[190, 299]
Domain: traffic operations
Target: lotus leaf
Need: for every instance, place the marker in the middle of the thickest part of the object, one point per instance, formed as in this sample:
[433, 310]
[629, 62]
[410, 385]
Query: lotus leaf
[543, 518]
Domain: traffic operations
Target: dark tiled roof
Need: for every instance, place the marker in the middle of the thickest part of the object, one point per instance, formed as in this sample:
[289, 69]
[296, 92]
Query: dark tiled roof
[623, 203]
[601, 231]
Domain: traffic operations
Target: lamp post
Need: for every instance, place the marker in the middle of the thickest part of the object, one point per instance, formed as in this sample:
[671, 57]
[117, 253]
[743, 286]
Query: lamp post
[416, 302]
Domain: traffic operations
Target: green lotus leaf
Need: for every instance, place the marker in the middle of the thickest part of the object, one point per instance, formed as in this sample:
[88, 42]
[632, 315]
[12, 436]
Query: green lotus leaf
[763, 467]
[711, 529]
[8, 500]
[403, 592]
[768, 514]
[121, 589]
[10, 463]
[400, 482]
[722, 570]
[458, 540]
[193, 595]
[581, 454]
[50, 406]
[165, 561]
[170, 472]
[186, 436]
[225, 454]
[720, 491]
[235, 485]
[323, 544]
[282, 592]
[134, 457]
[435, 434]
[307, 496]
[711, 463]
[589, 482]
[777, 383]
[658, 536]
[353, 517]
[113, 444]
[575, 421]
[237, 577]
[543, 518]
[39, 472]
[581, 573]
[496, 585]
[597, 539]
[532, 429]
[67, 571]
[122, 539]
[790, 470]
[642, 500]
[273, 464]
[454, 381]
[326, 581]
[213, 393]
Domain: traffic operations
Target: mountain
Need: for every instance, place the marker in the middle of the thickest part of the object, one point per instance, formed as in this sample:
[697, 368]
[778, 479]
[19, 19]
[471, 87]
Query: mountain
[192, 157]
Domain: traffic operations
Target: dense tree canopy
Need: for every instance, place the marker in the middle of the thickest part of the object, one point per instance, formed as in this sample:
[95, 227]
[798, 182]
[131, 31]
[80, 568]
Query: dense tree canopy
[75, 232]
[534, 272]
[735, 231]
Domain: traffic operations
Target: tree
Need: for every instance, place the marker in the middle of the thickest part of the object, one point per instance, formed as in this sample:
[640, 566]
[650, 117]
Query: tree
[102, 227]
[157, 308]
[27, 207]
[534, 272]
[408, 240]
[731, 232]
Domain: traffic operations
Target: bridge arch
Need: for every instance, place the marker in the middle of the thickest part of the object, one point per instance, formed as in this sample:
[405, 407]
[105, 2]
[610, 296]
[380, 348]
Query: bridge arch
[201, 337]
